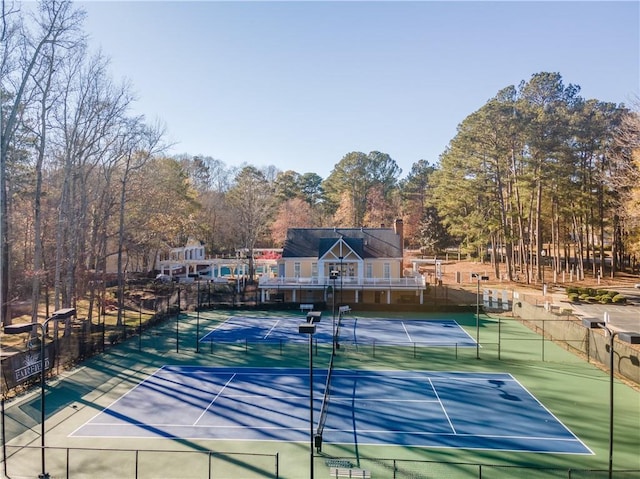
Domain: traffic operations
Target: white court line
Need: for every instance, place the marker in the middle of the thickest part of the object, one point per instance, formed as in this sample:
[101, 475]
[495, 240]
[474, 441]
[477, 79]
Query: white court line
[113, 403]
[464, 331]
[350, 399]
[271, 330]
[186, 426]
[404, 326]
[553, 415]
[226, 325]
[214, 399]
[442, 406]
[261, 396]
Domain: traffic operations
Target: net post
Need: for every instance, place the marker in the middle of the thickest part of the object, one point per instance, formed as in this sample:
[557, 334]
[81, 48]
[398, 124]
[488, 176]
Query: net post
[499, 336]
[543, 340]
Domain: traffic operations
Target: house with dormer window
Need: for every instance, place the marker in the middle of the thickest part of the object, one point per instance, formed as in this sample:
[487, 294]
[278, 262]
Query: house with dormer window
[362, 265]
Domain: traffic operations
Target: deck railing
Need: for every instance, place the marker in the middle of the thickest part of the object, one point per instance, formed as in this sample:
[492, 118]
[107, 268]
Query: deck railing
[412, 282]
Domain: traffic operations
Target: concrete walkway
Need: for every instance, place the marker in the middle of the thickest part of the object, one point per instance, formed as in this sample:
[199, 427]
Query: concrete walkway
[622, 317]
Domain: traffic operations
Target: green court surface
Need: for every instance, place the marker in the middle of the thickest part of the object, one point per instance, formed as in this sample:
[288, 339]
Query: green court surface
[574, 391]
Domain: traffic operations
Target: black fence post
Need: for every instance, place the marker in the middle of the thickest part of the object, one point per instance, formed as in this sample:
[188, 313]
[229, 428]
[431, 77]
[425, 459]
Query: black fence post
[543, 321]
[140, 325]
[198, 321]
[178, 324]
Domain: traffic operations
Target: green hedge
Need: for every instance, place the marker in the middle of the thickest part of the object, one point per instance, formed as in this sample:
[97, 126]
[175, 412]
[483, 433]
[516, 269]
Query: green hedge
[592, 295]
[618, 298]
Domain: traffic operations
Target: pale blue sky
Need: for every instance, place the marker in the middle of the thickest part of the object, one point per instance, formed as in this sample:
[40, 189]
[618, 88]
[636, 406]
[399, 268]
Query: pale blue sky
[300, 84]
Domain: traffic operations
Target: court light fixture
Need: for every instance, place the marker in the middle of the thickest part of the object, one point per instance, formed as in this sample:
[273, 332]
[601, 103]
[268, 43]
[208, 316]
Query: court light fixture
[624, 336]
[631, 338]
[59, 315]
[314, 317]
[310, 329]
[307, 328]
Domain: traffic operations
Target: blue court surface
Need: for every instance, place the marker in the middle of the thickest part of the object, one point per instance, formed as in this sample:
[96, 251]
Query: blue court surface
[489, 411]
[351, 331]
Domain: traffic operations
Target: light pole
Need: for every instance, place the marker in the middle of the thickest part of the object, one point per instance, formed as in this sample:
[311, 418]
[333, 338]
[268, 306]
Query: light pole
[333, 275]
[627, 337]
[341, 274]
[478, 279]
[25, 328]
[310, 328]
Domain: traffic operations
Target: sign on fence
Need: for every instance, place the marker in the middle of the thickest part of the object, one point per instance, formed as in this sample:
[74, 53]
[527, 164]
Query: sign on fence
[22, 366]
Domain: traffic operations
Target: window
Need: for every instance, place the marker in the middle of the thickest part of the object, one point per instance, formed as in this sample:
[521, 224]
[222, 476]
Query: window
[314, 270]
[369, 270]
[387, 271]
[296, 270]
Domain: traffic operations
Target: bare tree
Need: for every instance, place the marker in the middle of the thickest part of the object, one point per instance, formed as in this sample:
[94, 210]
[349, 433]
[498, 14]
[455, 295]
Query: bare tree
[93, 110]
[138, 144]
[26, 55]
[252, 201]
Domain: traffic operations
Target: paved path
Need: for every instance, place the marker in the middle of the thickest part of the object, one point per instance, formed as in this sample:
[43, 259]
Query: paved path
[622, 317]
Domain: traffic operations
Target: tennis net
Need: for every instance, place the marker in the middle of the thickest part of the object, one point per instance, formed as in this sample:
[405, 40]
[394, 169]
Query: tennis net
[342, 311]
[327, 387]
[325, 402]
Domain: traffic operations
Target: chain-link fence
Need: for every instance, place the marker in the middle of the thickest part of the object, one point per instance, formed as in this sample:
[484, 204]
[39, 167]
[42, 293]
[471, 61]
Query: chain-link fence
[79, 463]
[415, 469]
[71, 342]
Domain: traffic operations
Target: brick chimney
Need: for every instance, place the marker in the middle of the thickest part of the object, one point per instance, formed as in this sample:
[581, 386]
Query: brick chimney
[398, 228]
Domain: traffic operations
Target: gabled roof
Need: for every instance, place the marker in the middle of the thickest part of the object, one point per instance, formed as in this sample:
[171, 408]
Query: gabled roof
[365, 242]
[352, 244]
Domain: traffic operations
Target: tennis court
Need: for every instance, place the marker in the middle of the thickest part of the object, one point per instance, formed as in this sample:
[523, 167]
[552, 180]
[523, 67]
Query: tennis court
[402, 408]
[352, 330]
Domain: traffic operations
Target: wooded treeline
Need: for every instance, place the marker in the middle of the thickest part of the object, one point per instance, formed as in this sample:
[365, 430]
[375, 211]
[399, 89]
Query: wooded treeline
[538, 173]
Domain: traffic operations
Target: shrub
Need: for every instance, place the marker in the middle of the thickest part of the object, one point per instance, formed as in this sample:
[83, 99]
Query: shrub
[604, 299]
[574, 297]
[619, 298]
[589, 291]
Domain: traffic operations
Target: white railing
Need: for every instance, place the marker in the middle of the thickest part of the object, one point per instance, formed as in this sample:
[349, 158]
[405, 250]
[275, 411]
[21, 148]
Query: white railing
[413, 282]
